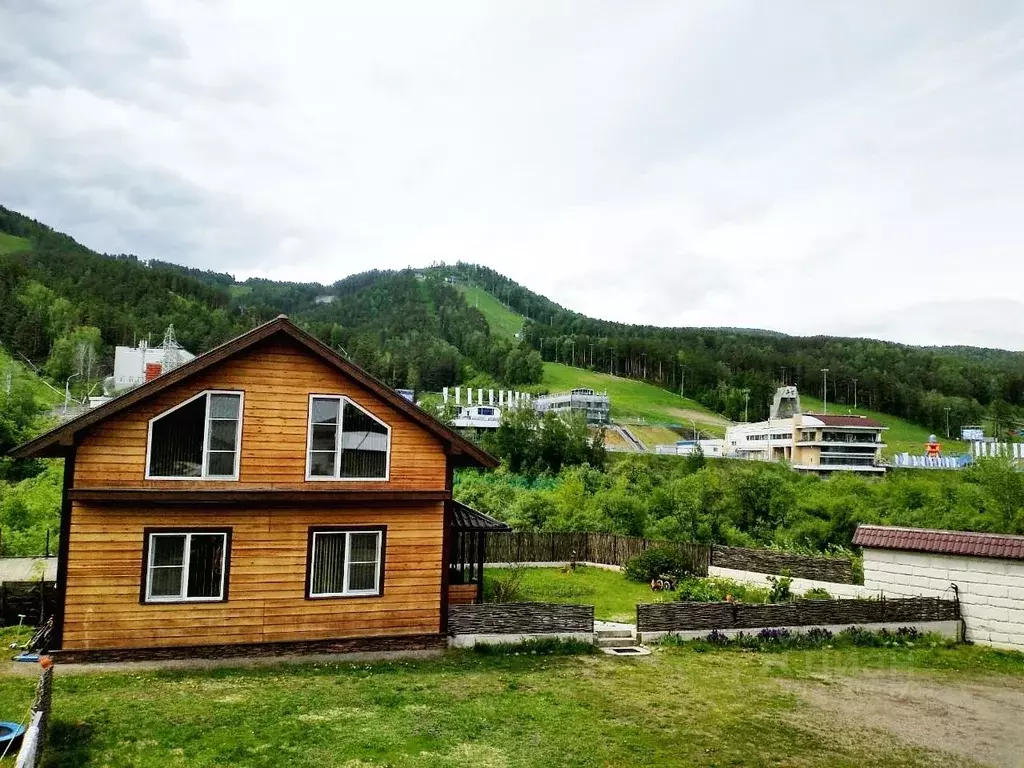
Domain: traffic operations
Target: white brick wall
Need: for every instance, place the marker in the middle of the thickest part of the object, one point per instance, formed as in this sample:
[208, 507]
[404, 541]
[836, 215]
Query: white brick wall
[991, 591]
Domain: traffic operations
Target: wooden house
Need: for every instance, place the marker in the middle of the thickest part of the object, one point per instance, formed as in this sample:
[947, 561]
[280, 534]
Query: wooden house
[266, 497]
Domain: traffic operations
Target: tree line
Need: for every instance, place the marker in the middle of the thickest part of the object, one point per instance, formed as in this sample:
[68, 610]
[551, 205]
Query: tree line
[733, 371]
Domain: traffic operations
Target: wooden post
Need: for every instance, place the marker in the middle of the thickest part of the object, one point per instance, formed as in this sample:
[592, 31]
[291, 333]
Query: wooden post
[481, 539]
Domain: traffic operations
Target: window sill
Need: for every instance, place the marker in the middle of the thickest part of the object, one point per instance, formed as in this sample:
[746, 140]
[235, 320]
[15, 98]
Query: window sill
[182, 601]
[348, 596]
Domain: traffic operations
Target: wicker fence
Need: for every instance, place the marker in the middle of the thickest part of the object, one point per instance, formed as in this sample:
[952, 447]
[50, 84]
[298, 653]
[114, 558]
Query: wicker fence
[609, 549]
[520, 618]
[835, 569]
[605, 548]
[35, 600]
[681, 617]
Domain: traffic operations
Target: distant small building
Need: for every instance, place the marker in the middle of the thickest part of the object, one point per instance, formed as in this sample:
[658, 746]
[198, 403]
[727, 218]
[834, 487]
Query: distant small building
[136, 365]
[713, 449]
[595, 406]
[477, 417]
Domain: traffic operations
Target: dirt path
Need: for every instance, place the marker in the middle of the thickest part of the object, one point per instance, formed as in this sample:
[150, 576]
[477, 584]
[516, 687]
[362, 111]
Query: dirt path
[979, 720]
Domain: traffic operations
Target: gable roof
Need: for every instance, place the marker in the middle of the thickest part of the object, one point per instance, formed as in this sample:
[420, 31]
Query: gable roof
[57, 441]
[965, 543]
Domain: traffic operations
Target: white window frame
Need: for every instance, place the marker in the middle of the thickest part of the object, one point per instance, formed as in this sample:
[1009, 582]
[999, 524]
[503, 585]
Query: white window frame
[206, 437]
[186, 556]
[342, 400]
[346, 592]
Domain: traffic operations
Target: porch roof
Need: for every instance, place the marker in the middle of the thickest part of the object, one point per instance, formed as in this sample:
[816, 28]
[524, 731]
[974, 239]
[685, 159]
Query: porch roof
[465, 519]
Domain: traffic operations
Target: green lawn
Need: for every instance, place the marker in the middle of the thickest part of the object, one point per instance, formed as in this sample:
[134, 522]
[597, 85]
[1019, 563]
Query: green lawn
[902, 435]
[675, 708]
[502, 320]
[613, 596]
[13, 243]
[633, 400]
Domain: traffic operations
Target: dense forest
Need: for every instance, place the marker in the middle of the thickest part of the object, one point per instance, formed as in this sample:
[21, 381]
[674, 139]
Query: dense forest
[65, 307]
[720, 367]
[745, 503]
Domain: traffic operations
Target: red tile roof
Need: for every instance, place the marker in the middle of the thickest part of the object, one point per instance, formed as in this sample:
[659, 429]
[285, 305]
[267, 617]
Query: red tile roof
[845, 421]
[940, 542]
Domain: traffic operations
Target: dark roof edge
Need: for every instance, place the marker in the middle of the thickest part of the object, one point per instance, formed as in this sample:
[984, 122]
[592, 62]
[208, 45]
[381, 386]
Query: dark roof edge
[57, 440]
[468, 519]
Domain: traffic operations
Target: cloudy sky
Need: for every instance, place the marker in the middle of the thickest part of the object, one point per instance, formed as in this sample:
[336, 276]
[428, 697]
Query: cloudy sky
[812, 167]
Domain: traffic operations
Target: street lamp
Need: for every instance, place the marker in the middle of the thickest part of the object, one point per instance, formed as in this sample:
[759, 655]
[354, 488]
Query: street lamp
[67, 391]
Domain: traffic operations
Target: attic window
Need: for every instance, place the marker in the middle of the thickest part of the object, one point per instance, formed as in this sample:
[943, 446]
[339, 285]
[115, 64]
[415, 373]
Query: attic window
[198, 439]
[346, 442]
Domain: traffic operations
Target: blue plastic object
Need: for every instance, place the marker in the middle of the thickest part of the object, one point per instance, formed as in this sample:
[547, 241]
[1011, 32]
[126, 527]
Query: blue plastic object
[30, 657]
[10, 737]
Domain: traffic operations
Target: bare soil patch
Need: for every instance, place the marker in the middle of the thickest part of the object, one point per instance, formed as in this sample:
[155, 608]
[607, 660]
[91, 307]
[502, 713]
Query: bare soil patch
[979, 720]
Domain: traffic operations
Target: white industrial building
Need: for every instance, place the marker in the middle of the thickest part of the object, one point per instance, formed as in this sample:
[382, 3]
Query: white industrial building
[810, 442]
[595, 406]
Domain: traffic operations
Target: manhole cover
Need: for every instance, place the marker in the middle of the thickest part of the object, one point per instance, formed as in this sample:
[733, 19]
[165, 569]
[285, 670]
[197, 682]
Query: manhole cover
[630, 650]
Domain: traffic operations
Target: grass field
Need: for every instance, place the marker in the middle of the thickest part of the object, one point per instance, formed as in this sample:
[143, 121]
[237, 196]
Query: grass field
[633, 400]
[613, 596]
[879, 707]
[12, 243]
[502, 320]
[902, 436]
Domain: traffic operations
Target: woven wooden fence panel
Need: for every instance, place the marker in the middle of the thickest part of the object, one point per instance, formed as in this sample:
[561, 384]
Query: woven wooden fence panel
[834, 569]
[605, 548]
[35, 600]
[678, 617]
[519, 618]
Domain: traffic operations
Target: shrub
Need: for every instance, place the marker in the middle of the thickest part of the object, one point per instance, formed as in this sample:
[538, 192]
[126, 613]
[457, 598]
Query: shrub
[655, 562]
[693, 590]
[816, 637]
[817, 593]
[780, 591]
[506, 586]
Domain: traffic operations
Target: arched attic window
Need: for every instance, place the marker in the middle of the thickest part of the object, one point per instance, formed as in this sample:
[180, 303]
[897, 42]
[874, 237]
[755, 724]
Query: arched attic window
[197, 439]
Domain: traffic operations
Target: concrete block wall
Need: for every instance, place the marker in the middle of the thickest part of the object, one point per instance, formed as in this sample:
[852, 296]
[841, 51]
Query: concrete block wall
[991, 590]
[799, 586]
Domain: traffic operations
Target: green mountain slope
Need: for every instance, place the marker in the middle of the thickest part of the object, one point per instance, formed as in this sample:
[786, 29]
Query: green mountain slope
[502, 320]
[635, 401]
[413, 328]
[12, 243]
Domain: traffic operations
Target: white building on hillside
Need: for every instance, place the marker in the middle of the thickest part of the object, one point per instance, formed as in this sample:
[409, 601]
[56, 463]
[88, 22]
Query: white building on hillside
[811, 442]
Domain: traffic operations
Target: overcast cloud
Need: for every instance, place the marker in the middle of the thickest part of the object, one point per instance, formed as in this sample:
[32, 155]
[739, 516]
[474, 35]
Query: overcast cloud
[810, 167]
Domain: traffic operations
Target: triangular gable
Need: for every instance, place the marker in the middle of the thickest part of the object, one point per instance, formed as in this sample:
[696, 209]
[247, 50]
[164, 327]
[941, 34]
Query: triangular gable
[59, 440]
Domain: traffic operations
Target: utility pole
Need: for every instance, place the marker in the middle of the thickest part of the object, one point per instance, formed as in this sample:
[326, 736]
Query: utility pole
[947, 422]
[784, 376]
[591, 355]
[746, 402]
[682, 382]
[824, 389]
[854, 394]
[573, 342]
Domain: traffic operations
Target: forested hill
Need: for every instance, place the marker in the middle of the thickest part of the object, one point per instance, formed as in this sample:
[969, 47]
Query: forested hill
[409, 329]
[413, 328]
[720, 367]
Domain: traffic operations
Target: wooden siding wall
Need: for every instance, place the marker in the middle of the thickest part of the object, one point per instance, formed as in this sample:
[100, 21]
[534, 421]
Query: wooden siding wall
[267, 579]
[277, 379]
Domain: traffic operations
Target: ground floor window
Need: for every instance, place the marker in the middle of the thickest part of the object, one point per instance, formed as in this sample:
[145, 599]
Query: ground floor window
[346, 562]
[185, 566]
